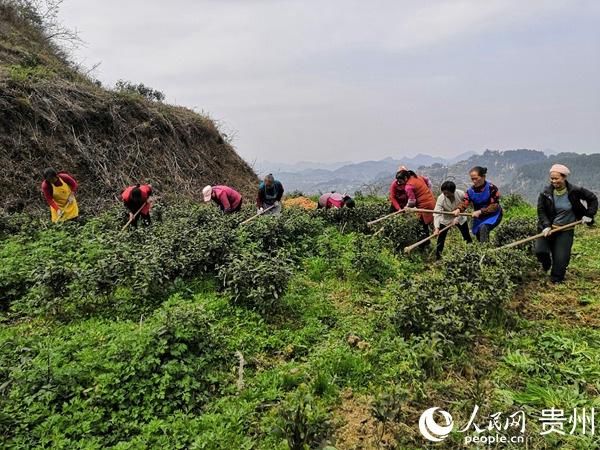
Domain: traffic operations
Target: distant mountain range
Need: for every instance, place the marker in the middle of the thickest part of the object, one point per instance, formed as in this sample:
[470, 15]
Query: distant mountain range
[314, 178]
[524, 171]
[419, 160]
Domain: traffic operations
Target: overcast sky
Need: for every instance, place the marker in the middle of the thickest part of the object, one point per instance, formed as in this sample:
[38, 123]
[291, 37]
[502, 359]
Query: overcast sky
[356, 80]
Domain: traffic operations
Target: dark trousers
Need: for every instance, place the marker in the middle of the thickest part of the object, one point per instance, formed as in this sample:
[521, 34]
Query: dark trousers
[238, 208]
[441, 240]
[555, 252]
[483, 234]
[425, 231]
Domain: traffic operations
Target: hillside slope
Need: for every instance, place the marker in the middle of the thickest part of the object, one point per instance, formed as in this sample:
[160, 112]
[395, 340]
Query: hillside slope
[52, 115]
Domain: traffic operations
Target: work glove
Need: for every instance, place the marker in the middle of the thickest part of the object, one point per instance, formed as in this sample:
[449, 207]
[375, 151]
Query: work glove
[436, 231]
[71, 199]
[476, 214]
[260, 210]
[587, 220]
[277, 203]
[455, 221]
[546, 231]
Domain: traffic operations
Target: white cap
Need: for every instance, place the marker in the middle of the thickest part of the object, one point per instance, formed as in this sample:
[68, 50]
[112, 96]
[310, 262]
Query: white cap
[207, 193]
[560, 168]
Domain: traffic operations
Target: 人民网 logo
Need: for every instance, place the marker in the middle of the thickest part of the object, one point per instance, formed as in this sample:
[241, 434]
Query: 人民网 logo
[430, 429]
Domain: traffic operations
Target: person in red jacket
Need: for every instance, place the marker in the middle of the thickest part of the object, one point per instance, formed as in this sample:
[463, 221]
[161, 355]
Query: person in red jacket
[398, 197]
[137, 198]
[226, 198]
[59, 189]
[418, 191]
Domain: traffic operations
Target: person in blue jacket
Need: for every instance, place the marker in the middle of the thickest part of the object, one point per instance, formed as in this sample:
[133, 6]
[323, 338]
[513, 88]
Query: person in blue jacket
[485, 198]
[269, 195]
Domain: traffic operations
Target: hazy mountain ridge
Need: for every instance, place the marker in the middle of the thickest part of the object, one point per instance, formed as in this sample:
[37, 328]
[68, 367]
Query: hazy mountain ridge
[523, 171]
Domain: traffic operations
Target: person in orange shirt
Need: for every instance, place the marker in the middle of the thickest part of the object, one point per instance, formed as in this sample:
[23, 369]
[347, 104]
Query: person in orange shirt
[418, 192]
[59, 189]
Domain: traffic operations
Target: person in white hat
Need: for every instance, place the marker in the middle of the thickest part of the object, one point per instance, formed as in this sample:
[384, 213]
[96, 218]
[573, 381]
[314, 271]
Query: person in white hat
[226, 198]
[559, 204]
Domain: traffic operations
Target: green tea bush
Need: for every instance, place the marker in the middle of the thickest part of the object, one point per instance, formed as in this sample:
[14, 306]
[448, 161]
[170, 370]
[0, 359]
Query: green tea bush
[353, 219]
[401, 231]
[20, 223]
[255, 278]
[73, 270]
[82, 270]
[99, 383]
[472, 286]
[515, 229]
[293, 229]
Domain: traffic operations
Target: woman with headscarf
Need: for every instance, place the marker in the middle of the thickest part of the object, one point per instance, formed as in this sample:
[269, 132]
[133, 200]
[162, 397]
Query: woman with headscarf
[560, 204]
[418, 193]
[485, 198]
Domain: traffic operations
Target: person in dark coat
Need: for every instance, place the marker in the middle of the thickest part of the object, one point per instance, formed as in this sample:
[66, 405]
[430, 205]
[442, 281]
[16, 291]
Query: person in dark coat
[561, 203]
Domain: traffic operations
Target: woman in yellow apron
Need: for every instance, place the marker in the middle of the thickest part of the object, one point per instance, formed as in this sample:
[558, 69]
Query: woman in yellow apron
[59, 190]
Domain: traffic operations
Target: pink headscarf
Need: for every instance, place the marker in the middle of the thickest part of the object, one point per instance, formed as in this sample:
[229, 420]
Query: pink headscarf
[560, 168]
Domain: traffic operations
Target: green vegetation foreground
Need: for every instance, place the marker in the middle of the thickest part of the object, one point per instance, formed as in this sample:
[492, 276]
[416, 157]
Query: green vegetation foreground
[297, 331]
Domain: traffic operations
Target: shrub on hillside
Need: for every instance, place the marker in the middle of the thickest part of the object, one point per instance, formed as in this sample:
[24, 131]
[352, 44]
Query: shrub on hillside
[20, 223]
[353, 219]
[512, 230]
[293, 229]
[140, 89]
[472, 286]
[74, 271]
[255, 278]
[401, 231]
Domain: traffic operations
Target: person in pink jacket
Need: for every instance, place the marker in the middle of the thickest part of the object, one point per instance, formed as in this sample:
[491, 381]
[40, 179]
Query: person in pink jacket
[228, 199]
[335, 200]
